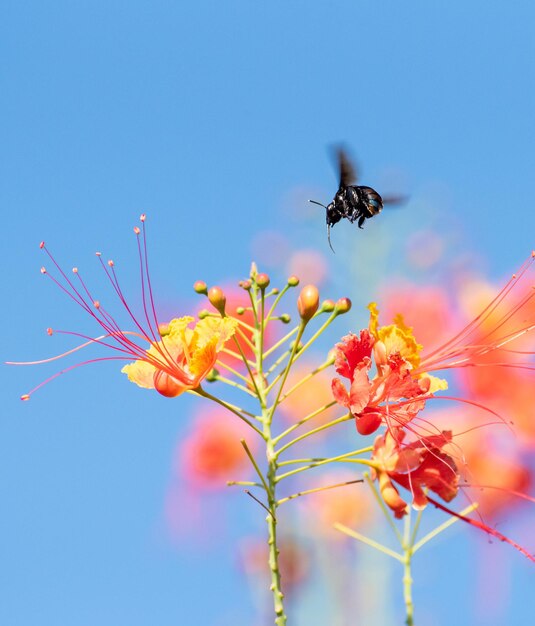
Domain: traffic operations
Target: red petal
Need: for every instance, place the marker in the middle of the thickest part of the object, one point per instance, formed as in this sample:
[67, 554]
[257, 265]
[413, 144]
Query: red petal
[340, 392]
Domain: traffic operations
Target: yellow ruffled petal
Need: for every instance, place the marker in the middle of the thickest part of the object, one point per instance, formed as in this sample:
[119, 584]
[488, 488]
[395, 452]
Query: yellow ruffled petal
[398, 337]
[437, 384]
[176, 329]
[209, 328]
[374, 319]
[141, 373]
[203, 359]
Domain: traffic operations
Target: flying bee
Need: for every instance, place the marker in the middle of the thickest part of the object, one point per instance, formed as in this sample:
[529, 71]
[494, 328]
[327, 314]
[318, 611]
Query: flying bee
[356, 203]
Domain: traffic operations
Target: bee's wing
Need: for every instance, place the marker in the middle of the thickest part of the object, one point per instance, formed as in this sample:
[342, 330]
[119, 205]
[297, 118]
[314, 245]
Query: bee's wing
[395, 199]
[348, 172]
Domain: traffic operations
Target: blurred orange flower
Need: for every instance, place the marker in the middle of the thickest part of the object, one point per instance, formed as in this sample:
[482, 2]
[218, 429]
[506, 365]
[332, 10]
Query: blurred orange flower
[212, 453]
[350, 505]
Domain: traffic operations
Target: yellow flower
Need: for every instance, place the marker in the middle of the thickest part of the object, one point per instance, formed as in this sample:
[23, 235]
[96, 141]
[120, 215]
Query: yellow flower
[183, 357]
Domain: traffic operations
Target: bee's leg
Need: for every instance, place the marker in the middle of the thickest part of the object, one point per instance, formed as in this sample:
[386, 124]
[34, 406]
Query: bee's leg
[362, 220]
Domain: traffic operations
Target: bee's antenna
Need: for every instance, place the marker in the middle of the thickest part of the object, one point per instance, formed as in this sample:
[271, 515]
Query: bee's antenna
[328, 225]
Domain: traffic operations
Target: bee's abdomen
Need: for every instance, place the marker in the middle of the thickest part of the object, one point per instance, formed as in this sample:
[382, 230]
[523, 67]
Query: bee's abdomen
[370, 201]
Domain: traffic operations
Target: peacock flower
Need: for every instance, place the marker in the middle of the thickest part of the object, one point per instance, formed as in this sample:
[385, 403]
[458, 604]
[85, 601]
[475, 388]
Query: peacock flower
[183, 357]
[171, 358]
[418, 466]
[403, 381]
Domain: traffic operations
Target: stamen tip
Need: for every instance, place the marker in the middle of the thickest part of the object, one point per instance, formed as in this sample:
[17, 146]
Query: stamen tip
[49, 332]
[75, 270]
[111, 263]
[25, 397]
[42, 245]
[136, 230]
[98, 253]
[43, 270]
[142, 217]
[96, 304]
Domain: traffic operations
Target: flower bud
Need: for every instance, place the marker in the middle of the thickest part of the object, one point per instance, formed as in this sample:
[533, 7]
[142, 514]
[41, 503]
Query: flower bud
[217, 299]
[343, 305]
[245, 284]
[293, 281]
[285, 318]
[212, 375]
[240, 310]
[308, 302]
[262, 280]
[200, 287]
[327, 306]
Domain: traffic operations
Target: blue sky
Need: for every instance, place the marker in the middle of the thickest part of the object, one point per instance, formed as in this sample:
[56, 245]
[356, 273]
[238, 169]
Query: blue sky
[215, 118]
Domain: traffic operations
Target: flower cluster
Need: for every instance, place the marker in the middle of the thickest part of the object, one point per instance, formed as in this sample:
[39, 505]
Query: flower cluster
[384, 383]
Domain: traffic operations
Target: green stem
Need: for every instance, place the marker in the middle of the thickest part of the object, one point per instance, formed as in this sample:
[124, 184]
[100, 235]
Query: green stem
[291, 359]
[324, 462]
[230, 407]
[327, 459]
[306, 492]
[281, 342]
[382, 505]
[407, 575]
[313, 373]
[304, 420]
[340, 420]
[369, 542]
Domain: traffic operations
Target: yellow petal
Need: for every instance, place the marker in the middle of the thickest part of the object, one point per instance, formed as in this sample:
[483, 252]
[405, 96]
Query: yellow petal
[141, 373]
[203, 359]
[215, 327]
[374, 318]
[437, 384]
[398, 340]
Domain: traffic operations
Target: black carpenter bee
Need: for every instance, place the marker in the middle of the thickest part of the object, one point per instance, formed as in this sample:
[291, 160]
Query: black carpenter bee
[352, 202]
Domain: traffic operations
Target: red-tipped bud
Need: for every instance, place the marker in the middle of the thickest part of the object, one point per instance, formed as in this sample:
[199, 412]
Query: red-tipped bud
[49, 332]
[25, 397]
[308, 302]
[200, 287]
[217, 299]
[343, 305]
[245, 284]
[328, 306]
[262, 280]
[293, 281]
[167, 385]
